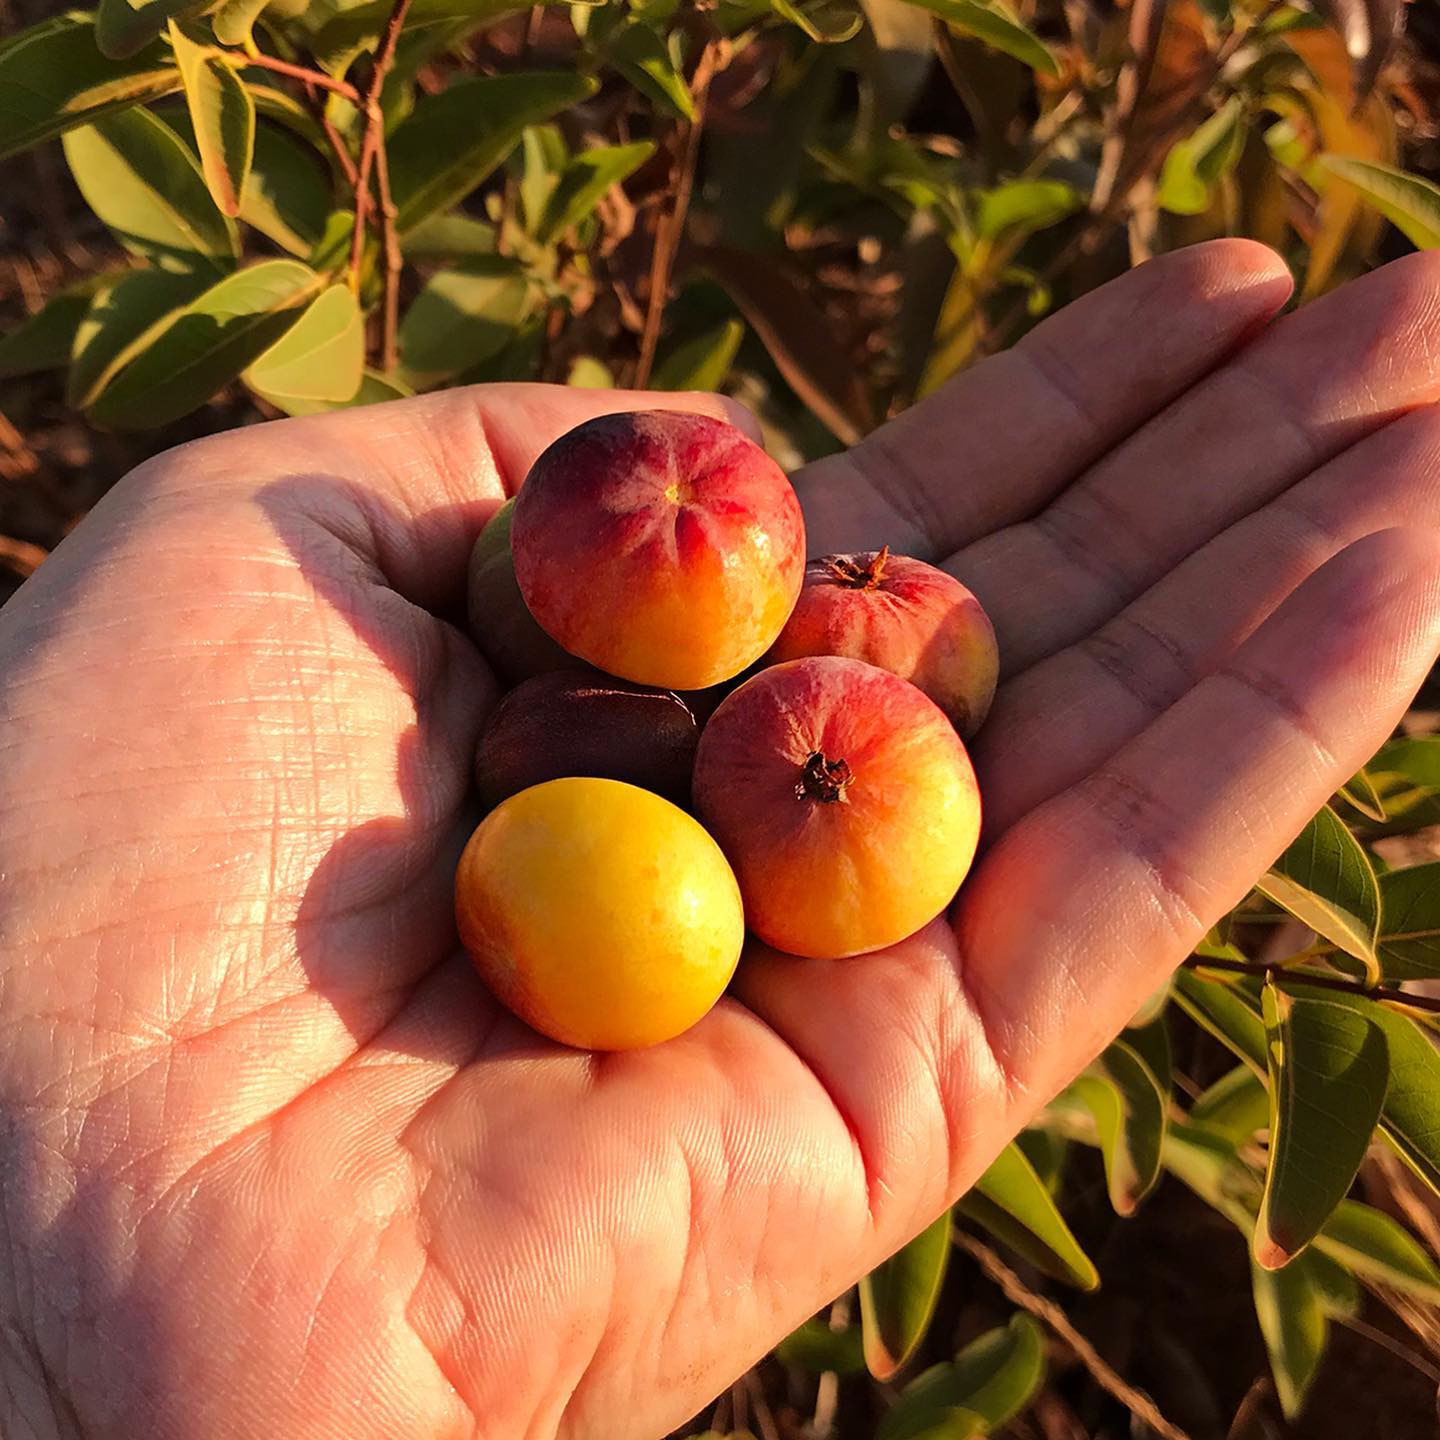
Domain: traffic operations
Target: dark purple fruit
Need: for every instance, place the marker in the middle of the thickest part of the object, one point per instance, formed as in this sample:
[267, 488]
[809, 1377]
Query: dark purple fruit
[584, 723]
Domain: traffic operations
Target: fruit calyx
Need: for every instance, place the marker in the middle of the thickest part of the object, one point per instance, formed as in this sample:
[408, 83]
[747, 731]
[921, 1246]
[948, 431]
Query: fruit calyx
[858, 577]
[822, 779]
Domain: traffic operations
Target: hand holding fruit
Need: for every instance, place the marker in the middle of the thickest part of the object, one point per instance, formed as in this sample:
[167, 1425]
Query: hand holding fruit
[670, 547]
[248, 1072]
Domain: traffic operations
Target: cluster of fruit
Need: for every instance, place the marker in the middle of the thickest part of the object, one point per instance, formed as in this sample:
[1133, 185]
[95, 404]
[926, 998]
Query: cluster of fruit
[705, 733]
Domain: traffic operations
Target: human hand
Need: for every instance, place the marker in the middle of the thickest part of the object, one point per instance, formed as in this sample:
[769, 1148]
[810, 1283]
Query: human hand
[274, 1162]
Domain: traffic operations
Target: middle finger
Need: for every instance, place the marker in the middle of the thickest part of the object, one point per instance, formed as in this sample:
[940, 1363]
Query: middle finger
[1314, 384]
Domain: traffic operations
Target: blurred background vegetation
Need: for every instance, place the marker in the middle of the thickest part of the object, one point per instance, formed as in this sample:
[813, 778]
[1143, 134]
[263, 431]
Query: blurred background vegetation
[217, 214]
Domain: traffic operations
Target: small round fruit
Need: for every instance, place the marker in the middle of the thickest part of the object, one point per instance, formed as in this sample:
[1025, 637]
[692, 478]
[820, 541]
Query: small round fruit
[579, 722]
[664, 548]
[844, 800]
[602, 915]
[904, 616]
[506, 632]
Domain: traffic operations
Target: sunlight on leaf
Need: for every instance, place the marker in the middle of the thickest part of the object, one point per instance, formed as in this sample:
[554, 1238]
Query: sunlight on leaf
[898, 1298]
[1325, 878]
[1011, 1202]
[1328, 1066]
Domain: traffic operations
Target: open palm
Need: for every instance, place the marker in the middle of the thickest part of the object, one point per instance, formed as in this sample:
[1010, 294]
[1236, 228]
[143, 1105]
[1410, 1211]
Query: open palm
[275, 1164]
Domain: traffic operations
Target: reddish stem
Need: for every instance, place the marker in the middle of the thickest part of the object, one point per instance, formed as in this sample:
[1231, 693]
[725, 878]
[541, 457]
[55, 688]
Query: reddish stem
[823, 780]
[859, 577]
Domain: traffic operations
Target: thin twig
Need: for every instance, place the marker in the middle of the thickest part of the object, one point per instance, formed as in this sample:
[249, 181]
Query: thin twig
[760, 1408]
[827, 1389]
[296, 72]
[671, 225]
[21, 556]
[1107, 215]
[1265, 971]
[390, 245]
[337, 144]
[1109, 1380]
[1416, 1209]
[374, 136]
[1389, 1343]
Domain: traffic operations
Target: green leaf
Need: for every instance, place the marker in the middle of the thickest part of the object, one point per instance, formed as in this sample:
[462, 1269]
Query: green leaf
[1150, 1041]
[997, 27]
[52, 78]
[1328, 1068]
[449, 237]
[1410, 922]
[331, 251]
[453, 140]
[1325, 878]
[1411, 1114]
[461, 317]
[207, 344]
[702, 362]
[1377, 1248]
[43, 341]
[223, 116]
[234, 21]
[1218, 1007]
[375, 389]
[993, 1378]
[287, 195]
[320, 357]
[897, 1299]
[1207, 1164]
[1012, 1203]
[123, 318]
[825, 23]
[1411, 204]
[357, 27]
[1414, 758]
[584, 181]
[1020, 207]
[1291, 1310]
[817, 1348]
[1412, 1101]
[588, 373]
[1195, 163]
[1360, 793]
[1235, 1106]
[1129, 1112]
[272, 103]
[124, 27]
[644, 59]
[145, 183]
[541, 157]
[1153, 1005]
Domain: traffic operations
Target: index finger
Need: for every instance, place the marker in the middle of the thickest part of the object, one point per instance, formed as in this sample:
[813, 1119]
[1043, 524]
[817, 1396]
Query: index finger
[1004, 438]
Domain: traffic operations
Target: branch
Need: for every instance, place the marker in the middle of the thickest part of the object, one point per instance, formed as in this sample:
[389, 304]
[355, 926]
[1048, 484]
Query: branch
[671, 225]
[1017, 1292]
[295, 72]
[338, 146]
[1264, 970]
[374, 138]
[394, 260]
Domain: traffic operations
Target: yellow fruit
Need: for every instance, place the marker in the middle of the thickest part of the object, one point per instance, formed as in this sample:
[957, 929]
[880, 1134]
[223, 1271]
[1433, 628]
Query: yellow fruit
[602, 915]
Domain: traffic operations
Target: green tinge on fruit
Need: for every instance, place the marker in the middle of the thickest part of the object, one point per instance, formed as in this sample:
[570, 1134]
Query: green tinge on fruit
[508, 635]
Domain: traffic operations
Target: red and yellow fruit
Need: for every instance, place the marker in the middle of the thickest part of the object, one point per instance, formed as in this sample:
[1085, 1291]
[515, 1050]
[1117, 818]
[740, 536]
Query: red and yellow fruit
[904, 616]
[664, 548]
[845, 801]
[602, 915]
